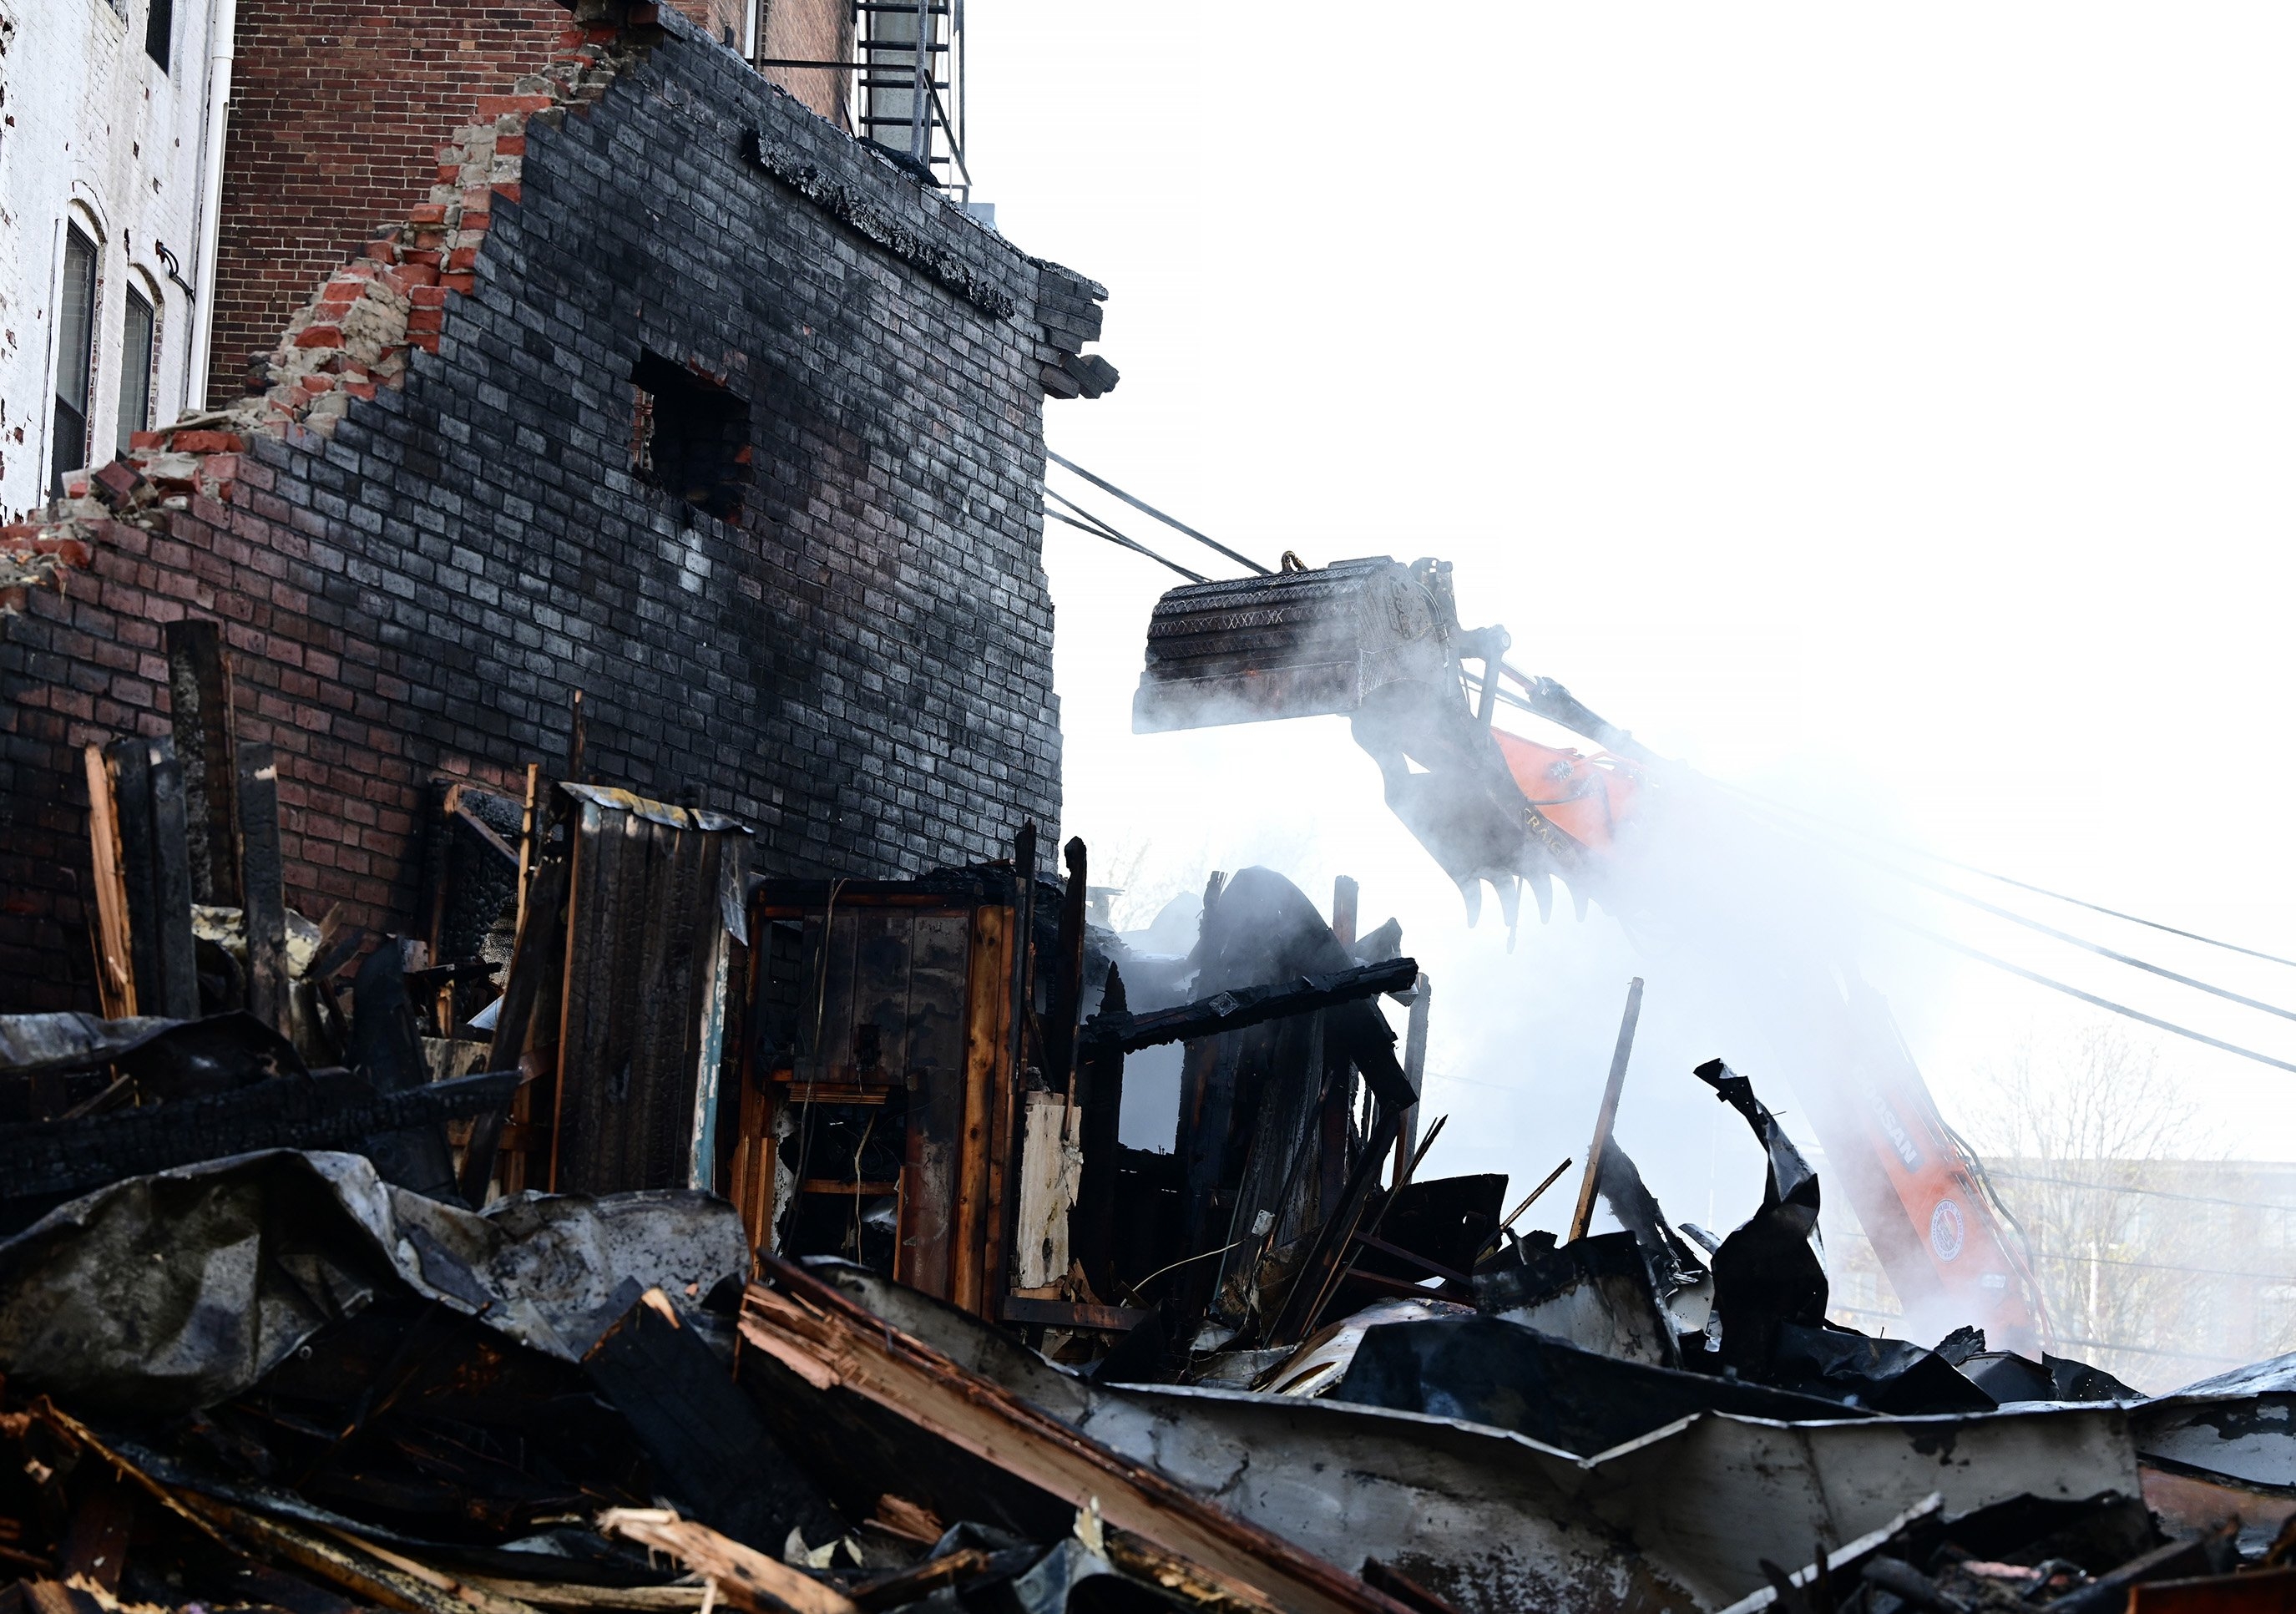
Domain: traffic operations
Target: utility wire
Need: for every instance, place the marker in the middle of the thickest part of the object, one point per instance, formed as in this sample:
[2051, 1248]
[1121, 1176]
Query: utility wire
[2089, 997]
[2152, 1193]
[2015, 918]
[2197, 1272]
[1122, 543]
[1099, 528]
[1144, 508]
[1969, 868]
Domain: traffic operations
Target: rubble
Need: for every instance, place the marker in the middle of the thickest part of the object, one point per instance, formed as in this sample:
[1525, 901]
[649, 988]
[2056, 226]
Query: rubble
[649, 1234]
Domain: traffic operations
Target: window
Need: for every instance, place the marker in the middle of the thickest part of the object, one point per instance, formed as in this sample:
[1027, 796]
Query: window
[74, 358]
[689, 436]
[160, 31]
[135, 353]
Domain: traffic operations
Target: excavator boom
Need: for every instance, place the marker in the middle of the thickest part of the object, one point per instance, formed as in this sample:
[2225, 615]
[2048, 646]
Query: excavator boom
[1379, 643]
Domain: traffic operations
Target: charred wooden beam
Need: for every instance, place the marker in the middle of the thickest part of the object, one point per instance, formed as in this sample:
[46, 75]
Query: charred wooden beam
[1100, 1089]
[1074, 1314]
[708, 1447]
[1067, 1006]
[1415, 1071]
[901, 1587]
[329, 1110]
[1250, 1006]
[1327, 1258]
[827, 1341]
[386, 1047]
[749, 1578]
[171, 887]
[199, 710]
[262, 887]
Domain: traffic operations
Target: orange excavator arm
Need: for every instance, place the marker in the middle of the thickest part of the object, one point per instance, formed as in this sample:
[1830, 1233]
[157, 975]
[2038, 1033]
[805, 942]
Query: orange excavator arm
[1380, 643]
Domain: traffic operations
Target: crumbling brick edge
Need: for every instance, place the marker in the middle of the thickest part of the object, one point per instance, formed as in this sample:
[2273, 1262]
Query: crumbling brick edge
[873, 224]
[354, 336]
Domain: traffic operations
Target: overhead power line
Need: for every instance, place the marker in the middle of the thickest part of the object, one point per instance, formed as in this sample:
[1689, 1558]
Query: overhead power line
[1099, 528]
[2015, 918]
[1193, 576]
[2150, 1193]
[1970, 868]
[2197, 1272]
[2090, 997]
[1146, 509]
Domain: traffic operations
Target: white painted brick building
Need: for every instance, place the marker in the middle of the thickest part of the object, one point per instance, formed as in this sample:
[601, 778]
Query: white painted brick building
[112, 121]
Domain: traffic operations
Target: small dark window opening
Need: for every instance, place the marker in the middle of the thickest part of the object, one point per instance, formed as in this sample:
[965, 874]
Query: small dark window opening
[69, 449]
[689, 436]
[160, 31]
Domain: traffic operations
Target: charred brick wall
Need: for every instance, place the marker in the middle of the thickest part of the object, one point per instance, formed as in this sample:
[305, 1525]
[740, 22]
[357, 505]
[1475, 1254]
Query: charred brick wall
[857, 660]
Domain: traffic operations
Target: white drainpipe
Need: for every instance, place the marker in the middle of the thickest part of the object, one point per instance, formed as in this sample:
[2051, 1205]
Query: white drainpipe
[223, 23]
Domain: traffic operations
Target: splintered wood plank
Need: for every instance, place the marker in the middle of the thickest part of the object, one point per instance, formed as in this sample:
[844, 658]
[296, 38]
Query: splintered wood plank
[526, 1030]
[833, 1345]
[95, 1542]
[1050, 1157]
[131, 797]
[752, 1188]
[115, 974]
[987, 1002]
[746, 1577]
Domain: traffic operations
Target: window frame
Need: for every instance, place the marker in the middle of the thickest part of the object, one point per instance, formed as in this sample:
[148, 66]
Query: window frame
[139, 373]
[75, 356]
[160, 33]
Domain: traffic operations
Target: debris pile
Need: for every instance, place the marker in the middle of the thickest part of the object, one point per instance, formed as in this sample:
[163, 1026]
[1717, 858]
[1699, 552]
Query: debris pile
[683, 1236]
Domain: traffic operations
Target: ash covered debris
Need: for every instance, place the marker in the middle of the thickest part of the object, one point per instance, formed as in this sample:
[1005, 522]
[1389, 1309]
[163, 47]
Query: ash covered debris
[611, 1201]
[645, 1229]
[938, 1340]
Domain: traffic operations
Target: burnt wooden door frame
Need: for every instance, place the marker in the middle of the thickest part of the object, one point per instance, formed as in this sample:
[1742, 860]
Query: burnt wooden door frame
[954, 1212]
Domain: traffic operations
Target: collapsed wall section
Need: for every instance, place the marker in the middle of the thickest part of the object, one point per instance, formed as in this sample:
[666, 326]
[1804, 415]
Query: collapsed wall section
[735, 430]
[335, 110]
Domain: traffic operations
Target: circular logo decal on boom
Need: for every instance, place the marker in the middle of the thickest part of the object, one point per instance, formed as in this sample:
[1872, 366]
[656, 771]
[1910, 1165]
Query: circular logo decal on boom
[1947, 1231]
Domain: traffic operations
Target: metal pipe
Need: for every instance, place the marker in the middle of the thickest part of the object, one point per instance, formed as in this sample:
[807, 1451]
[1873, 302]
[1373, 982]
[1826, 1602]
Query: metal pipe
[920, 124]
[223, 25]
[956, 56]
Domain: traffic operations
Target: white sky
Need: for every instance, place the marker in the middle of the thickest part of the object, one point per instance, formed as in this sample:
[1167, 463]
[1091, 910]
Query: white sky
[1889, 406]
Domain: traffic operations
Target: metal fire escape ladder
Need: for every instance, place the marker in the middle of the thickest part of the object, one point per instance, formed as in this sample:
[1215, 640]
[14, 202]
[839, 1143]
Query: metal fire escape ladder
[908, 78]
[911, 61]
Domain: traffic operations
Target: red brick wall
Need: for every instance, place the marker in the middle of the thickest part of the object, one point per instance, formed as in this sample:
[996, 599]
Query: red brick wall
[338, 110]
[723, 20]
[330, 698]
[810, 30]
